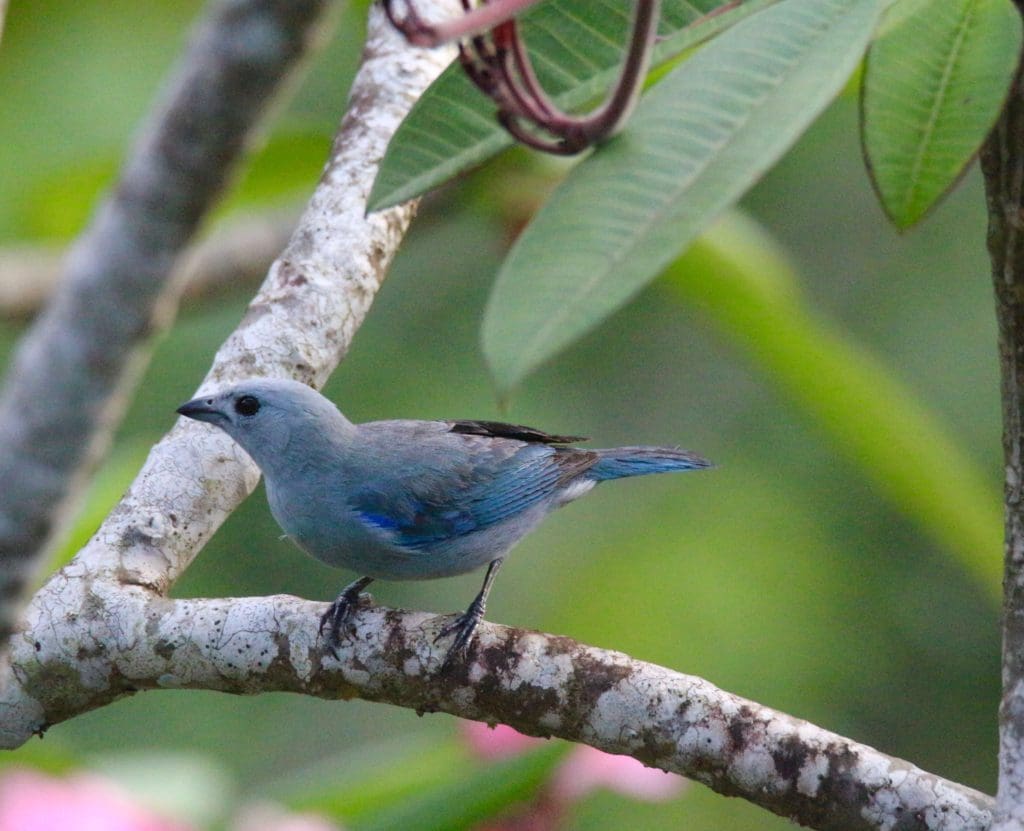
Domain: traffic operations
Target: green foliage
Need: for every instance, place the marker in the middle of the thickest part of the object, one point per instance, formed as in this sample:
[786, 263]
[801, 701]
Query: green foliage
[934, 84]
[419, 784]
[470, 798]
[736, 274]
[698, 140]
[59, 205]
[575, 47]
[386, 772]
[191, 787]
[52, 757]
[106, 487]
[935, 81]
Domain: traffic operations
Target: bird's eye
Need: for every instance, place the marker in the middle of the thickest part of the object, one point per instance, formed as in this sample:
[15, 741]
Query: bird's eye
[247, 405]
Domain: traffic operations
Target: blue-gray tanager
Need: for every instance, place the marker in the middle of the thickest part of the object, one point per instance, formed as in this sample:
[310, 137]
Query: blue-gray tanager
[410, 500]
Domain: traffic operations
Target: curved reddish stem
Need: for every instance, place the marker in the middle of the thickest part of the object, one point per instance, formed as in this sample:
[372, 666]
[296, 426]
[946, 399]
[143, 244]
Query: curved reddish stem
[497, 62]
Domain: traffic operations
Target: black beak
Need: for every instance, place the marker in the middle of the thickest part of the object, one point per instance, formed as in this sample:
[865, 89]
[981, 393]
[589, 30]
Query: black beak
[201, 409]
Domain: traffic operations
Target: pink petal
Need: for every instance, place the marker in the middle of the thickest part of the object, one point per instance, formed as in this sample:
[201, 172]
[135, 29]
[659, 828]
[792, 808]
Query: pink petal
[498, 742]
[32, 801]
[586, 769]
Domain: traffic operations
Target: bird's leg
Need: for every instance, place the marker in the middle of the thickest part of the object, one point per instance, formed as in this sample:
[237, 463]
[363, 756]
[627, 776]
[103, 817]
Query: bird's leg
[465, 624]
[340, 610]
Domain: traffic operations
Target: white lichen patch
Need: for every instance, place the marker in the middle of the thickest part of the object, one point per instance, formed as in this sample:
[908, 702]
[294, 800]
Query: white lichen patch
[536, 670]
[809, 779]
[754, 766]
[153, 527]
[706, 738]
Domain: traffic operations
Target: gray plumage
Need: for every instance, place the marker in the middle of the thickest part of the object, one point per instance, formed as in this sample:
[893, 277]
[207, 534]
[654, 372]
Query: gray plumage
[410, 500]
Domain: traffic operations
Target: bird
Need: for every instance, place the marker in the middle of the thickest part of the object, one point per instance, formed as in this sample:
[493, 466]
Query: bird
[410, 500]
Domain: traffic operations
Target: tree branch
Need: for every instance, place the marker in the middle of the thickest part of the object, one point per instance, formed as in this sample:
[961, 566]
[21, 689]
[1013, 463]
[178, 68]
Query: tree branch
[70, 660]
[64, 392]
[235, 254]
[1002, 163]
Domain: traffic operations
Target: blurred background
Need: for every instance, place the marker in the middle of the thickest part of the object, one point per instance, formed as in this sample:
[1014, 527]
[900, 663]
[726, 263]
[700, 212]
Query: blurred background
[785, 575]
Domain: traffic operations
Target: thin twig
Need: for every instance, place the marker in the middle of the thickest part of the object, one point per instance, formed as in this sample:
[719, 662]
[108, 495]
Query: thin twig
[495, 59]
[421, 32]
[235, 254]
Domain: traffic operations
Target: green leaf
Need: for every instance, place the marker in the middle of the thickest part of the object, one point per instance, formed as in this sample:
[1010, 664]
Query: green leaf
[419, 784]
[472, 798]
[577, 50]
[384, 773]
[698, 140]
[933, 87]
[736, 275]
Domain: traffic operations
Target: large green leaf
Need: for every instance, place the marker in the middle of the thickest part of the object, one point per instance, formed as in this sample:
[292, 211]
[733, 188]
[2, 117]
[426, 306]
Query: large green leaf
[576, 47]
[698, 140]
[934, 86]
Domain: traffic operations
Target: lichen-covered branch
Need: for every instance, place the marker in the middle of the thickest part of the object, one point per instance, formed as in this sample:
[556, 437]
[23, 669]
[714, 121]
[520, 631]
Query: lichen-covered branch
[65, 390]
[1002, 162]
[237, 254]
[70, 660]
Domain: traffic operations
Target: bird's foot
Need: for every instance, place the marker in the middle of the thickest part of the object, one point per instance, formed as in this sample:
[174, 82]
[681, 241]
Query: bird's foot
[464, 628]
[335, 619]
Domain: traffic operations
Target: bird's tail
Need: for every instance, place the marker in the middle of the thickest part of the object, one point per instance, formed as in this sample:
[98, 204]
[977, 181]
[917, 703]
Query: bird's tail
[617, 462]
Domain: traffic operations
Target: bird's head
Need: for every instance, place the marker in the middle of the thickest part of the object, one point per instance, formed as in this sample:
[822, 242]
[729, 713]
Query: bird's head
[265, 415]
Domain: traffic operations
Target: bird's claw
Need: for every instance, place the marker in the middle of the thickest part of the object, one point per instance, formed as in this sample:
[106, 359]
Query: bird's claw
[338, 614]
[334, 621]
[464, 628]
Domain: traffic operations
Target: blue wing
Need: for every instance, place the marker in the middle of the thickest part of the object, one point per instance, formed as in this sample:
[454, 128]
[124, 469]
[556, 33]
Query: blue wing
[422, 506]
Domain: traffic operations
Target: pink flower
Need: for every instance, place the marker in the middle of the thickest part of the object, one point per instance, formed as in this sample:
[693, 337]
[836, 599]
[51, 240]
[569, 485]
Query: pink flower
[498, 742]
[587, 769]
[32, 801]
[584, 769]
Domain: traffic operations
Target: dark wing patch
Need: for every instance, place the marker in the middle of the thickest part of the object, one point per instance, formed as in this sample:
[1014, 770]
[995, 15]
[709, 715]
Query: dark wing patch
[572, 463]
[500, 430]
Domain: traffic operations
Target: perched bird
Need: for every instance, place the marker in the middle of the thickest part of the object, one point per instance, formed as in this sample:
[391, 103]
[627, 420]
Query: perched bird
[410, 500]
